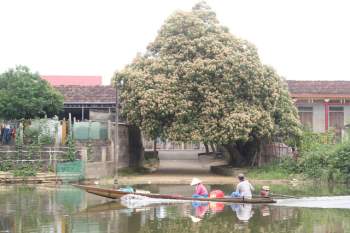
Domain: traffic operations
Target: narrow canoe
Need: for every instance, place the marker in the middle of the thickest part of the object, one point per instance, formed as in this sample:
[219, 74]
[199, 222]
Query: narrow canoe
[115, 194]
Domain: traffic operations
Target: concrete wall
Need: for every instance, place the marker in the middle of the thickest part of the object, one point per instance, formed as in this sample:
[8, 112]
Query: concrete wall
[100, 116]
[99, 155]
[96, 170]
[123, 148]
[319, 115]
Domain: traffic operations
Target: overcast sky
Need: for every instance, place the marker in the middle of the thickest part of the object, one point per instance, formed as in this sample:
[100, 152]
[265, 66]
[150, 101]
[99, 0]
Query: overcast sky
[301, 39]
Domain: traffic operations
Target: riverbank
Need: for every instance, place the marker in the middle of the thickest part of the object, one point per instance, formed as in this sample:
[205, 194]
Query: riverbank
[183, 179]
[10, 178]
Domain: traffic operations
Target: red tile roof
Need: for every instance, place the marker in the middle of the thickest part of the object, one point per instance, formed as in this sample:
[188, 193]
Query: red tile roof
[56, 80]
[298, 89]
[88, 94]
[319, 89]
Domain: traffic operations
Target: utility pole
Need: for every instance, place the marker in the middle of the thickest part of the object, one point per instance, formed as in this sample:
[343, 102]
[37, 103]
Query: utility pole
[116, 135]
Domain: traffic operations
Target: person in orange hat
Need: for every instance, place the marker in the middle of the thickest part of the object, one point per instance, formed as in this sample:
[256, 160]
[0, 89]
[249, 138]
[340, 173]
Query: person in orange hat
[265, 191]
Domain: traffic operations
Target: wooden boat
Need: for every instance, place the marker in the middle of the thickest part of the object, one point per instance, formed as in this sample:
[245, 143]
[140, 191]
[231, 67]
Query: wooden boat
[115, 194]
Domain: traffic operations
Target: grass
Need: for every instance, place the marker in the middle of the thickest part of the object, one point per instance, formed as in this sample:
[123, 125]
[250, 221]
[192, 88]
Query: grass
[132, 171]
[270, 172]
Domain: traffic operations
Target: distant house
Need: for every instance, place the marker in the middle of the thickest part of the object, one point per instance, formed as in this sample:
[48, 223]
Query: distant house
[59, 80]
[81, 101]
[83, 95]
[322, 104]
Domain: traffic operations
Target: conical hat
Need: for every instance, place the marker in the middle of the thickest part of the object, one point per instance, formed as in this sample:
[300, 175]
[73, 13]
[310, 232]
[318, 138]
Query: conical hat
[195, 181]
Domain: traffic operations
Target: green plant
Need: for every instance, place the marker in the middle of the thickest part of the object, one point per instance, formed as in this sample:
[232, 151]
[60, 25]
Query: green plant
[25, 95]
[278, 169]
[198, 82]
[25, 170]
[310, 141]
[71, 151]
[5, 166]
[339, 163]
[326, 162]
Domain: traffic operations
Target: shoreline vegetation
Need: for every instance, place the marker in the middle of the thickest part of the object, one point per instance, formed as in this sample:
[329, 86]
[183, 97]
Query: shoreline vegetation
[321, 159]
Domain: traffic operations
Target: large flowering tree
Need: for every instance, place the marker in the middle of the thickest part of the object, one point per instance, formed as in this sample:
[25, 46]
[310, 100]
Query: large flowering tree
[198, 82]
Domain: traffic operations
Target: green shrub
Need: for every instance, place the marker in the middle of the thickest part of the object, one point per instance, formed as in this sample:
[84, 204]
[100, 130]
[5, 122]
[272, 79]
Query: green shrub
[5, 166]
[315, 163]
[320, 159]
[327, 162]
[339, 163]
[71, 151]
[311, 141]
[278, 169]
[25, 170]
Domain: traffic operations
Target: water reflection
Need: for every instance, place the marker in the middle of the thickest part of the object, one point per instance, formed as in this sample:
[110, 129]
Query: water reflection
[66, 209]
[243, 211]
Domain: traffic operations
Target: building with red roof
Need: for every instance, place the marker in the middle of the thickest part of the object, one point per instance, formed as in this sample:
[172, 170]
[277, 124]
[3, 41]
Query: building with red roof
[81, 101]
[65, 80]
[322, 105]
[83, 95]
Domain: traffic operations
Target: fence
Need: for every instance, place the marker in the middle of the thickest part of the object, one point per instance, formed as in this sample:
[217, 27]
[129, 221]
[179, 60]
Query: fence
[274, 151]
[171, 145]
[53, 131]
[42, 159]
[91, 130]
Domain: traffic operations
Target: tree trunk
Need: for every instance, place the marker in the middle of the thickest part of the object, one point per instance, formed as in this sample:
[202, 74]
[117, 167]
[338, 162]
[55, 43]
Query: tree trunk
[243, 153]
[235, 155]
[212, 147]
[155, 146]
[256, 159]
[206, 148]
[135, 147]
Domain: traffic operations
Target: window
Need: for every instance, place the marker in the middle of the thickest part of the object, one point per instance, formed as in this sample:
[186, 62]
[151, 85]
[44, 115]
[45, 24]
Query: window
[305, 116]
[336, 117]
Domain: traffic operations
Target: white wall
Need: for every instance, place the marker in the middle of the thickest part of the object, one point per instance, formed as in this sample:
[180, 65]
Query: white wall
[346, 115]
[319, 117]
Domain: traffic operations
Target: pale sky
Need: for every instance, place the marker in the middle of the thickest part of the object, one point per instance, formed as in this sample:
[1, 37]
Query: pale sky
[301, 39]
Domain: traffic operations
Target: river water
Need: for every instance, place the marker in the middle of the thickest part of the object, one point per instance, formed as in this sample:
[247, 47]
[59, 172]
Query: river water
[66, 209]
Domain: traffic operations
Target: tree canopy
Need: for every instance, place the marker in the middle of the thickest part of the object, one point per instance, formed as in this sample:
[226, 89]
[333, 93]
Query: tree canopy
[199, 82]
[25, 95]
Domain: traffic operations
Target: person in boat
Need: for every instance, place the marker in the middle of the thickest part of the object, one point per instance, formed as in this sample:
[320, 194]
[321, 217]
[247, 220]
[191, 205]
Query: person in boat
[265, 191]
[127, 189]
[200, 191]
[244, 188]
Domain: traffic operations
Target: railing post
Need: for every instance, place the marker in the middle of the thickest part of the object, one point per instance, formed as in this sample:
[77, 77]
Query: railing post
[84, 154]
[103, 154]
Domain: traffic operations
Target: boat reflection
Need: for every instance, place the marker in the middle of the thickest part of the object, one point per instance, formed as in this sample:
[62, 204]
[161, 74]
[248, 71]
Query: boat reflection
[108, 206]
[265, 210]
[199, 209]
[243, 211]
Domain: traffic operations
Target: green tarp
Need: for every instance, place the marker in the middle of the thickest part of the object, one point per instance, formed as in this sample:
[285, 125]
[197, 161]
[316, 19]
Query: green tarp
[71, 171]
[90, 131]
